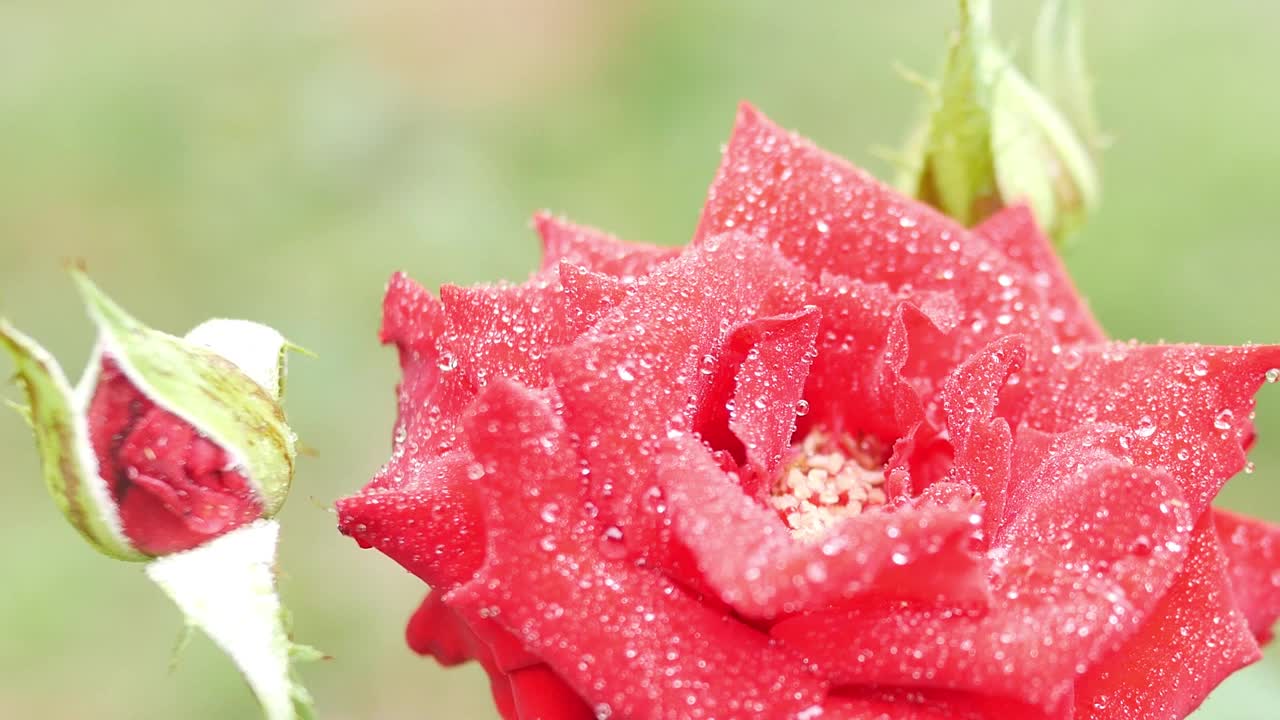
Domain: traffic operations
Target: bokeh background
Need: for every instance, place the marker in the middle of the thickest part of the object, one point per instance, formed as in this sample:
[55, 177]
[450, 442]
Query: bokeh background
[278, 161]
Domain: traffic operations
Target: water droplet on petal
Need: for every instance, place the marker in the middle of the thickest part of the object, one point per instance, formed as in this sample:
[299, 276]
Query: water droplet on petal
[1146, 428]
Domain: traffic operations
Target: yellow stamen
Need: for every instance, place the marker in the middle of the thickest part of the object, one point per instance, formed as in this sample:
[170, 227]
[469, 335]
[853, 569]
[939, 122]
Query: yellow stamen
[828, 480]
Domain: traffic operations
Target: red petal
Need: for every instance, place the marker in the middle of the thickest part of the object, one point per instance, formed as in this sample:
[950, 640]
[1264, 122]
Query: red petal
[596, 250]
[636, 375]
[1073, 582]
[832, 217]
[1193, 641]
[588, 296]
[624, 638]
[431, 394]
[1252, 548]
[425, 515]
[857, 384]
[904, 704]
[504, 330]
[1187, 407]
[173, 487]
[435, 629]
[540, 694]
[750, 405]
[983, 442]
[1013, 231]
[749, 557]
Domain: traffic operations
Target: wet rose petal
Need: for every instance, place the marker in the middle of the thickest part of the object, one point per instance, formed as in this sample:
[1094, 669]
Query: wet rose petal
[652, 371]
[1252, 548]
[626, 639]
[1194, 639]
[1185, 408]
[750, 558]
[1013, 231]
[1070, 584]
[596, 250]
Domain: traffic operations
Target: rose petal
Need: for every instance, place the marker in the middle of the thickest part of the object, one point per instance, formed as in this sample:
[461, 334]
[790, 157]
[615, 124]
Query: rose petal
[983, 442]
[431, 395]
[1186, 406]
[832, 217]
[1071, 583]
[627, 640]
[750, 406]
[912, 704]
[750, 558]
[588, 296]
[858, 382]
[1252, 548]
[504, 330]
[628, 382]
[1193, 640]
[1013, 231]
[436, 630]
[540, 694]
[425, 515]
[596, 250]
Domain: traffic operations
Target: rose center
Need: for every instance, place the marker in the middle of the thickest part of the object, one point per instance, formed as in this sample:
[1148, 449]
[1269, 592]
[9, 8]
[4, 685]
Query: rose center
[830, 477]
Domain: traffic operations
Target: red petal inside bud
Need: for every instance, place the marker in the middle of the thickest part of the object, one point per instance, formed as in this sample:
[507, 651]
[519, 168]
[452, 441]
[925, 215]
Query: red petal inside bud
[174, 487]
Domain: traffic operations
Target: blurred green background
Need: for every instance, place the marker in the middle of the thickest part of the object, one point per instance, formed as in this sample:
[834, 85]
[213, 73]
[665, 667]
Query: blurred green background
[277, 161]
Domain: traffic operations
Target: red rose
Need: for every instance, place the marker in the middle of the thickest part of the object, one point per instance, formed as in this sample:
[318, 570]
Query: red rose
[838, 458]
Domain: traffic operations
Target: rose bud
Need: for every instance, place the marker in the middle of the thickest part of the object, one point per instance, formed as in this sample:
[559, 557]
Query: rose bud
[994, 139]
[177, 449]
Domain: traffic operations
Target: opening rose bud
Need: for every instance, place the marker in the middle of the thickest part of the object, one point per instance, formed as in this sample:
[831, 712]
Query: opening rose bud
[173, 487]
[166, 443]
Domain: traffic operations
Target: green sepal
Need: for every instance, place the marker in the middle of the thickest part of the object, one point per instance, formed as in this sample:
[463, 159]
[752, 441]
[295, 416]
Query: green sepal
[992, 139]
[24, 411]
[56, 416]
[227, 588]
[1059, 71]
[213, 393]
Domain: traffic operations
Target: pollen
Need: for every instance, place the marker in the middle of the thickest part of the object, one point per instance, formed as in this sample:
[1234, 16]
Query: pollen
[829, 478]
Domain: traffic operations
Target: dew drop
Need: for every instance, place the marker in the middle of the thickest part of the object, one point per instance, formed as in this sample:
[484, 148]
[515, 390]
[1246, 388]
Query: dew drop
[802, 407]
[1223, 420]
[1141, 546]
[625, 374]
[612, 543]
[1273, 375]
[447, 362]
[1146, 428]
